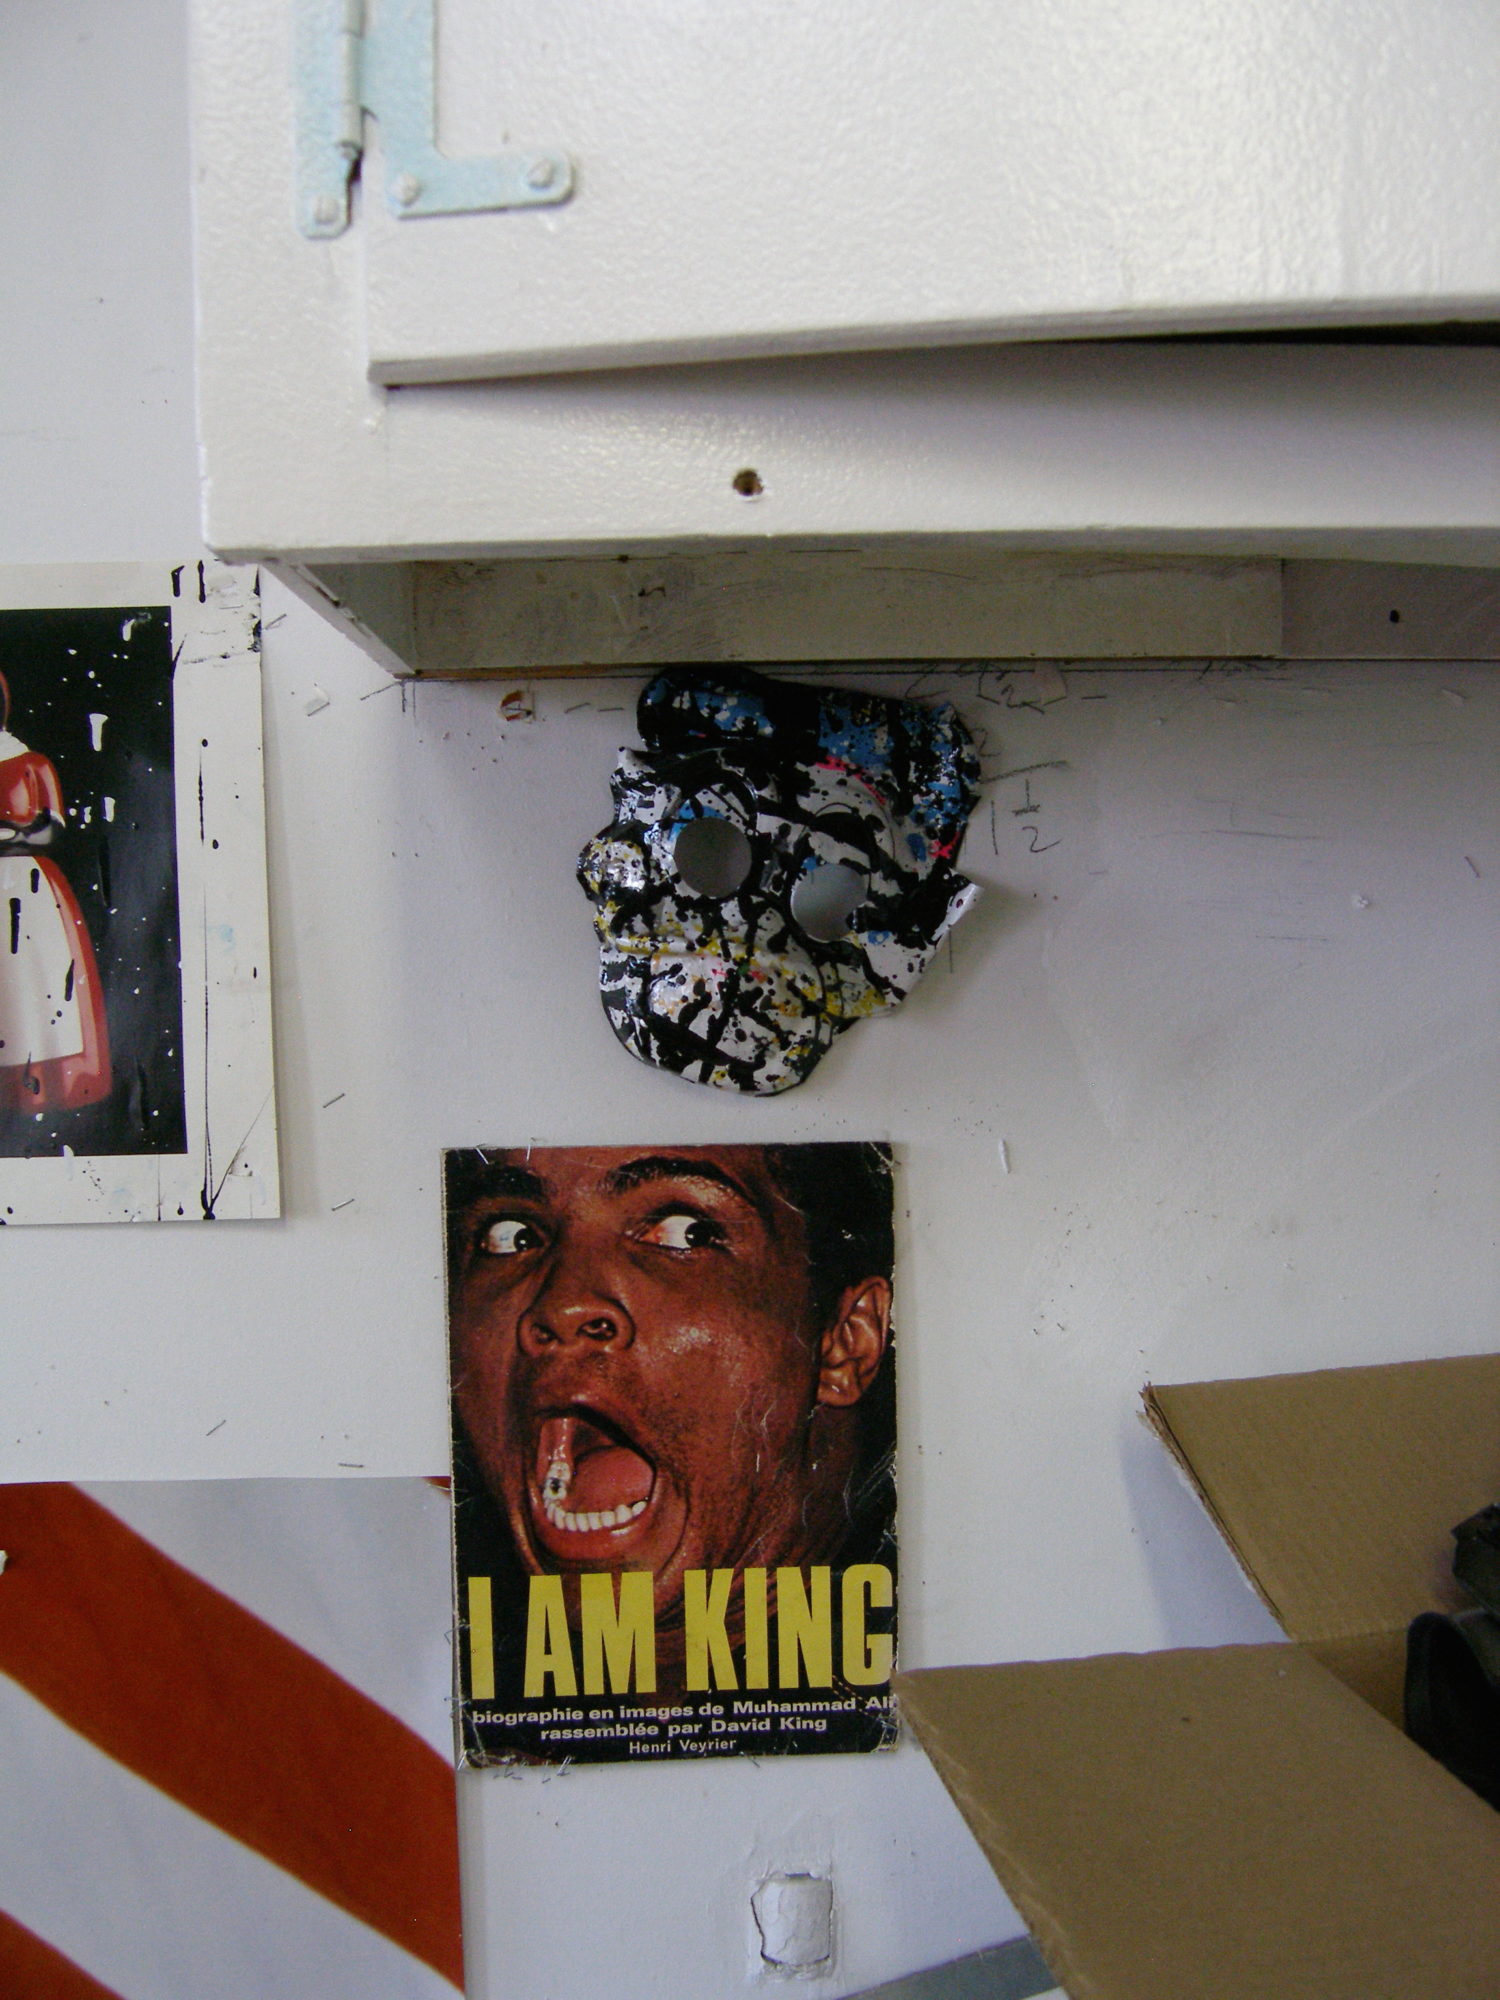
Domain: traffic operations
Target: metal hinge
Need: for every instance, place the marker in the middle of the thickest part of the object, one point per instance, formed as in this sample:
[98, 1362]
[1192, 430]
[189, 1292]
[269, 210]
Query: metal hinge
[346, 69]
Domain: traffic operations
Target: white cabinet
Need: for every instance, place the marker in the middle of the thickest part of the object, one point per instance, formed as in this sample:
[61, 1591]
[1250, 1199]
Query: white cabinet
[944, 183]
[766, 177]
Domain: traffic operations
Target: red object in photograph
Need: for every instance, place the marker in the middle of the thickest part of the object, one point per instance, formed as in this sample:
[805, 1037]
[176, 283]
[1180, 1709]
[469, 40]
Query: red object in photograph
[54, 1043]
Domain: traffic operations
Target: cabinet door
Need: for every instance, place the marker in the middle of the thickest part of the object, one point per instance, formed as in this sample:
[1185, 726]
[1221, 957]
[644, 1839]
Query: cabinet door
[767, 177]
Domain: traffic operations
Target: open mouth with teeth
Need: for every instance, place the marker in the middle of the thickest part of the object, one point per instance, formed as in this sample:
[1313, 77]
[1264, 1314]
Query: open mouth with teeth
[592, 1487]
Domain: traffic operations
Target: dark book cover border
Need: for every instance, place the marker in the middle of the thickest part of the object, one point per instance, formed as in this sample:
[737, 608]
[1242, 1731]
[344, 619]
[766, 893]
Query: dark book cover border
[673, 1377]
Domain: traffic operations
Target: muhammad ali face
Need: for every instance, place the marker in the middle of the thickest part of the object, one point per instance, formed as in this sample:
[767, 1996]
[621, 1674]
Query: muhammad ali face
[639, 1367]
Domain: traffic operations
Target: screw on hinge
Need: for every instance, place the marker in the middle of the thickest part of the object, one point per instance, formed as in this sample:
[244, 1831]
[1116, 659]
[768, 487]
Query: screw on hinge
[405, 188]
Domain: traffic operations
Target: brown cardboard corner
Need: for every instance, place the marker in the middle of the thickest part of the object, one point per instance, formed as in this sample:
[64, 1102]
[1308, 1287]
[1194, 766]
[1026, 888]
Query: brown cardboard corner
[1232, 1822]
[1157, 1420]
[1373, 1665]
[1337, 1490]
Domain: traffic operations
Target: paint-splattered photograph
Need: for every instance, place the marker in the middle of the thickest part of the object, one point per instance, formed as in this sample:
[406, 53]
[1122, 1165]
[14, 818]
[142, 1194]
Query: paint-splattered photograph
[90, 974]
[135, 1030]
[674, 1450]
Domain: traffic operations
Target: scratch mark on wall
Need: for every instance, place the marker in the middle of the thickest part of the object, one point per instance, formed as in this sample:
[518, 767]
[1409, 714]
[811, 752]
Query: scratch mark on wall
[235, 1157]
[1256, 833]
[1022, 770]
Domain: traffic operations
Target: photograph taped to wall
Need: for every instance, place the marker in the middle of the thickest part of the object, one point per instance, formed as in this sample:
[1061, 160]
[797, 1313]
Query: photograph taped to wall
[673, 1450]
[135, 1009]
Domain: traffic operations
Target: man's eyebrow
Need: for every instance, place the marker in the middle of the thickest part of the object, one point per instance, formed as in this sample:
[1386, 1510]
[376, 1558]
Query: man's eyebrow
[518, 1183]
[679, 1167]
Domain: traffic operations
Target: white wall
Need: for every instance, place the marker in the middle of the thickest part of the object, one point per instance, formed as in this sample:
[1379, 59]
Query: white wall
[1234, 1019]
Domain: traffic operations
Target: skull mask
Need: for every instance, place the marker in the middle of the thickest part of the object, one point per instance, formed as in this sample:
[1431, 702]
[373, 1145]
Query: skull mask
[780, 865]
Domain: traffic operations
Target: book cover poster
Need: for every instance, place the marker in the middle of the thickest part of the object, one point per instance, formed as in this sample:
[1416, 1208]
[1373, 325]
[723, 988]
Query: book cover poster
[674, 1450]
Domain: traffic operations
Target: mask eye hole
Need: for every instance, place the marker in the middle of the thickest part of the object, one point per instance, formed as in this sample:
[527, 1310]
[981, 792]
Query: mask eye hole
[712, 857]
[826, 897]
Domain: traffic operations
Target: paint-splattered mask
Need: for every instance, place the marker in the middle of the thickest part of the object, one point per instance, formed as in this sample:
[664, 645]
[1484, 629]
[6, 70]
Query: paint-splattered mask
[780, 865]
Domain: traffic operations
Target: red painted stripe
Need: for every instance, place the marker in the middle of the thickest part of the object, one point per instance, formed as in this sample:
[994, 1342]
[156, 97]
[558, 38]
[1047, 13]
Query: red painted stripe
[195, 1694]
[31, 1970]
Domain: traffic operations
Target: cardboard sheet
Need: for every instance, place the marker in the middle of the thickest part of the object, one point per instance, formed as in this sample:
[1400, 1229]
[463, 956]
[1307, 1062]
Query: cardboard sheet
[1337, 1489]
[1230, 1822]
[1249, 1822]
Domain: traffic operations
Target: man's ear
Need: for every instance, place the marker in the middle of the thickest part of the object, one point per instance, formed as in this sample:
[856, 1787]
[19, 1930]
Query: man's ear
[854, 1343]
